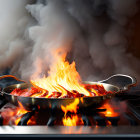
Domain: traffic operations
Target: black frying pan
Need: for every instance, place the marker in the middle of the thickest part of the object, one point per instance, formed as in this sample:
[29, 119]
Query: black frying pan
[116, 83]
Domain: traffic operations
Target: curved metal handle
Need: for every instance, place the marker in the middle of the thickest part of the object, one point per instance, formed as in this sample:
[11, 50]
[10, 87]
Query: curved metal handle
[124, 82]
[11, 76]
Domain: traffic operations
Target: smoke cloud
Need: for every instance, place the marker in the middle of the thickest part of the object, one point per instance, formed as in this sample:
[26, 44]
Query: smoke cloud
[91, 32]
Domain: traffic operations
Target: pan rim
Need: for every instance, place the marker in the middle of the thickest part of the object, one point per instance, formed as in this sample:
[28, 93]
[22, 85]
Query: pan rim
[27, 84]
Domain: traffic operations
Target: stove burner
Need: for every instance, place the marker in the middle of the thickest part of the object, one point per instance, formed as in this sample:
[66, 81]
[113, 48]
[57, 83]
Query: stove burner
[86, 120]
[26, 118]
[51, 121]
[90, 116]
[100, 120]
[114, 120]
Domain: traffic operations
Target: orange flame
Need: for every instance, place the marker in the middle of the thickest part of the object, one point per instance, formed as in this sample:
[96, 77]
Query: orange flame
[110, 112]
[13, 115]
[71, 121]
[63, 81]
[62, 78]
[74, 119]
[71, 107]
[21, 110]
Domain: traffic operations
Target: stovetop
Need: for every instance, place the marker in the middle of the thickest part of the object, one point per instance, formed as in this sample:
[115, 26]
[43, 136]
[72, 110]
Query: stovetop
[95, 121]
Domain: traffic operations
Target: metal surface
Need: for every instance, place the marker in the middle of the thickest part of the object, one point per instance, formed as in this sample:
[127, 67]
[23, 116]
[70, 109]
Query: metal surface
[55, 131]
[124, 82]
[97, 101]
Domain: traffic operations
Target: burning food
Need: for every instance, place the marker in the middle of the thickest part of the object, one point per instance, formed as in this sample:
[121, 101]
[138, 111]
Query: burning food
[63, 82]
[94, 90]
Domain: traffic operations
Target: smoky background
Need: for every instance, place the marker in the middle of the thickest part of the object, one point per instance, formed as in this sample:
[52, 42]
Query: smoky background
[102, 37]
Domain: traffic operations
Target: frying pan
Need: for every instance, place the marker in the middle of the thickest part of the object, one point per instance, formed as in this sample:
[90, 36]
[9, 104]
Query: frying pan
[117, 84]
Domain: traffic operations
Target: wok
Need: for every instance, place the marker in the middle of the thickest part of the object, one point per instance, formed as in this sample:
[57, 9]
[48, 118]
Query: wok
[116, 83]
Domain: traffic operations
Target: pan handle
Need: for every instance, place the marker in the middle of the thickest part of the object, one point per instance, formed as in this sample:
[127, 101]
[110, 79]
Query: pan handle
[11, 76]
[124, 82]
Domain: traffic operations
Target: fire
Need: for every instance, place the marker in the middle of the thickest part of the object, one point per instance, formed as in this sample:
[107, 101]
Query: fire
[63, 81]
[20, 111]
[63, 78]
[110, 112]
[13, 115]
[73, 120]
[71, 107]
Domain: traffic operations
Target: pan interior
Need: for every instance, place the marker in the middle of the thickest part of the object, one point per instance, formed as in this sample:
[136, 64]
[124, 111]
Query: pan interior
[108, 87]
[9, 89]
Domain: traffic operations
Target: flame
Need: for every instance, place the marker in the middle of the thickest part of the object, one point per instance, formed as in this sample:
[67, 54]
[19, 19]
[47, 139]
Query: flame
[70, 121]
[63, 81]
[20, 111]
[13, 115]
[110, 112]
[62, 78]
[71, 107]
[32, 121]
[74, 119]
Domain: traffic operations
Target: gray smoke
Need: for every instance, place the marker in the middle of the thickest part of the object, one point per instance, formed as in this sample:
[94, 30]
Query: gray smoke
[12, 27]
[92, 32]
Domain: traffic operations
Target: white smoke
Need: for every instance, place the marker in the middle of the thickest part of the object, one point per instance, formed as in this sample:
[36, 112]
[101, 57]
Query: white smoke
[92, 32]
[12, 23]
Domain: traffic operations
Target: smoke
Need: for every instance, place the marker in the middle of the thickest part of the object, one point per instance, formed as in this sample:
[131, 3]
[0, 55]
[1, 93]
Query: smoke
[91, 32]
[12, 24]
[14, 21]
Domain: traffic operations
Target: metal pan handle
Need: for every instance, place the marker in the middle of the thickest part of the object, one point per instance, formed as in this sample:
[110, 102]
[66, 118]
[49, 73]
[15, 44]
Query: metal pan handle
[11, 76]
[124, 82]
